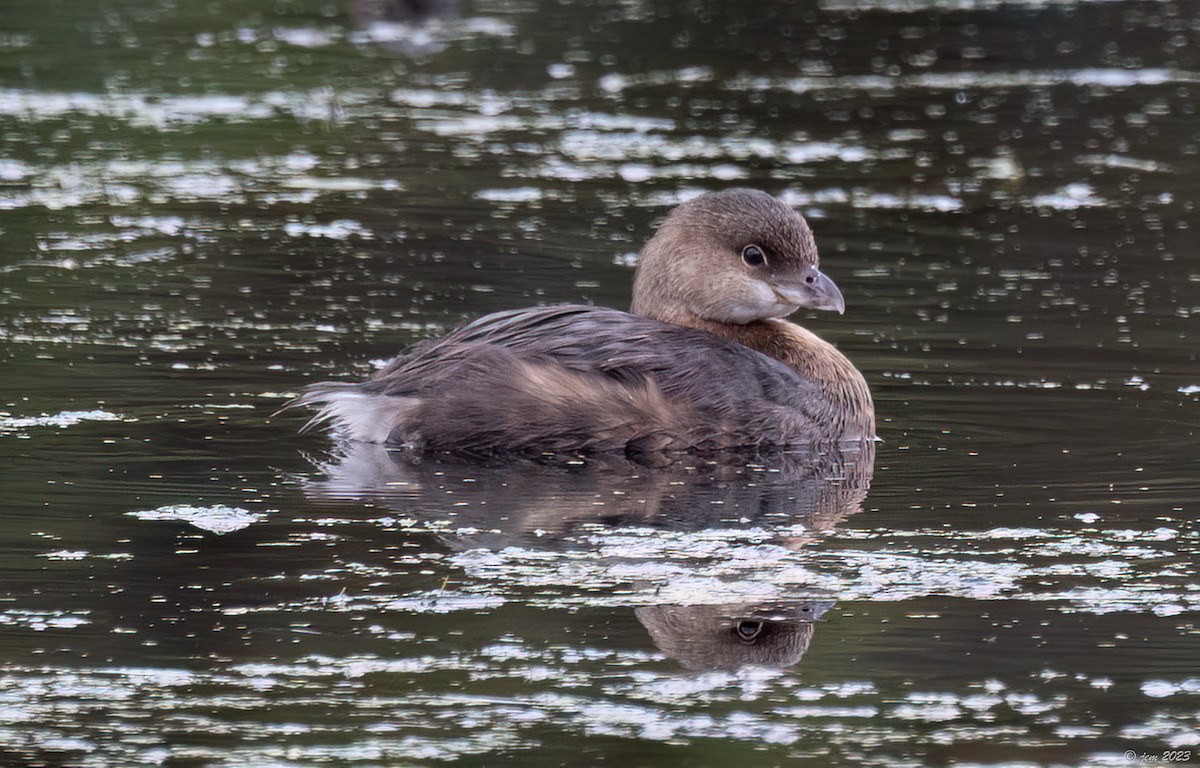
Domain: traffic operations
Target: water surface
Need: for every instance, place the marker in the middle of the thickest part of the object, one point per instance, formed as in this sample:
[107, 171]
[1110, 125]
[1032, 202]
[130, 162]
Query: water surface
[205, 206]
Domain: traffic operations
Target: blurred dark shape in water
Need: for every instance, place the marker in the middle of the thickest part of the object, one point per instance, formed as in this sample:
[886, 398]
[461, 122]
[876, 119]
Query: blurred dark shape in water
[558, 506]
[703, 637]
[521, 502]
[410, 27]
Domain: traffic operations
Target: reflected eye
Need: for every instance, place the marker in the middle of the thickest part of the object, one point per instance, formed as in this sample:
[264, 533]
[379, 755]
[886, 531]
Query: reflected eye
[748, 630]
[754, 256]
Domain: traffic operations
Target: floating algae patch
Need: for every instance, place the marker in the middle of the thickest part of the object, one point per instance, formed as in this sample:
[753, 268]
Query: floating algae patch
[1091, 571]
[147, 715]
[214, 519]
[62, 420]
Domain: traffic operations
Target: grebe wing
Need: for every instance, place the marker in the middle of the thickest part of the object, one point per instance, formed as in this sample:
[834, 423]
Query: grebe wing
[571, 378]
[684, 362]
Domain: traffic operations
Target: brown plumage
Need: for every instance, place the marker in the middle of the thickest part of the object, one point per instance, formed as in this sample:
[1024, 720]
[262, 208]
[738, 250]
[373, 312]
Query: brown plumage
[705, 361]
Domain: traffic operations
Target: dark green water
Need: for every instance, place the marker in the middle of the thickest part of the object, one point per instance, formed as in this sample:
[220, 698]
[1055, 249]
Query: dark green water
[203, 206]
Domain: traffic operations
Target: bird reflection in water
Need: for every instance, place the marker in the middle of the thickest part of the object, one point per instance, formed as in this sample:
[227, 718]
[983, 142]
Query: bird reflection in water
[563, 505]
[731, 636]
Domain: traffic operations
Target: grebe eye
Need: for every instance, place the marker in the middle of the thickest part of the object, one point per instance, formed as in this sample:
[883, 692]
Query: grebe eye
[753, 256]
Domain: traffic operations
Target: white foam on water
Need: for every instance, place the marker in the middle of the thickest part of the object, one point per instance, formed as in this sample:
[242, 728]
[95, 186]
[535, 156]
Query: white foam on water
[61, 420]
[218, 519]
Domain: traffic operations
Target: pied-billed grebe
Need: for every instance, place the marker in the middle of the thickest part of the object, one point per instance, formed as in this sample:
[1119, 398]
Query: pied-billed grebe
[705, 361]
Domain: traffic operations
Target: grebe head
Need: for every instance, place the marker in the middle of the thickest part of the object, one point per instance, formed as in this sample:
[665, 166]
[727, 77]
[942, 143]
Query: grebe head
[731, 257]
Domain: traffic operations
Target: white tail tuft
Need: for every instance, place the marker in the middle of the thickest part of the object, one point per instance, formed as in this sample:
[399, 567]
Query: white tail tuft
[355, 415]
